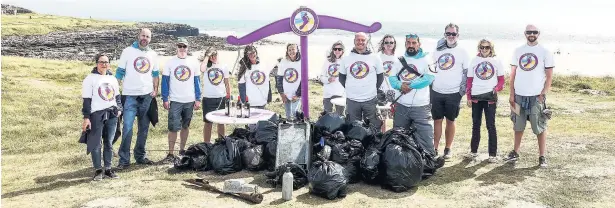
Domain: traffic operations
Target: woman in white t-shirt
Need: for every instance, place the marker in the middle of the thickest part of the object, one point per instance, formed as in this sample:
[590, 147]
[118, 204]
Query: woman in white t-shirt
[253, 79]
[332, 88]
[485, 80]
[101, 108]
[216, 90]
[288, 80]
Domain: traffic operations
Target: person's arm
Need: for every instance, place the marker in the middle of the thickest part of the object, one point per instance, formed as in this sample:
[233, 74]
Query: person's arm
[379, 80]
[343, 80]
[395, 82]
[549, 65]
[379, 71]
[120, 72]
[156, 76]
[228, 87]
[166, 79]
[469, 87]
[197, 88]
[324, 75]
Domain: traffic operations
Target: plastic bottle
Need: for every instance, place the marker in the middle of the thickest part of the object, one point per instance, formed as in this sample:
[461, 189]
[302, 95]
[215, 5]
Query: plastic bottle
[287, 185]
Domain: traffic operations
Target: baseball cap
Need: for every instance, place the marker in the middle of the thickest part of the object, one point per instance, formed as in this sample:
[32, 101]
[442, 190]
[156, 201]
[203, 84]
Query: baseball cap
[182, 40]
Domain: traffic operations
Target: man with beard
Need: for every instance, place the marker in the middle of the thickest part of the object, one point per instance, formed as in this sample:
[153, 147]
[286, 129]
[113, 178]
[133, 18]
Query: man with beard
[528, 90]
[366, 76]
[452, 65]
[138, 68]
[412, 107]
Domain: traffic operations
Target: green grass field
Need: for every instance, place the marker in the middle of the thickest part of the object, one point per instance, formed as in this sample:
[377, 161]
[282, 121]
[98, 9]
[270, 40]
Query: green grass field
[44, 166]
[40, 24]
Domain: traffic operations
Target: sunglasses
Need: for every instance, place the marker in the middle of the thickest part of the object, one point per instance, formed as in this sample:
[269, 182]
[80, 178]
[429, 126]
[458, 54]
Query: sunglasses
[389, 43]
[412, 36]
[450, 34]
[338, 49]
[531, 32]
[103, 62]
[182, 46]
[485, 47]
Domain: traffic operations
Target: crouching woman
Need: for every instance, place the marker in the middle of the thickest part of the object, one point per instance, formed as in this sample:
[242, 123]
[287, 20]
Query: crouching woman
[101, 108]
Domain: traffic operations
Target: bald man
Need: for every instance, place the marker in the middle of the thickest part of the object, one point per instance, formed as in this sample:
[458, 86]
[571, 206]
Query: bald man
[138, 73]
[531, 75]
[361, 74]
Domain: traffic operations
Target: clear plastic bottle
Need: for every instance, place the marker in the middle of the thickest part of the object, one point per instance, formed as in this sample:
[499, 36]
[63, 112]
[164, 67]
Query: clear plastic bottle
[287, 185]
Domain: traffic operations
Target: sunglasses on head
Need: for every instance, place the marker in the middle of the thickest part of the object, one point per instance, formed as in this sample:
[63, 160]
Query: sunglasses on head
[451, 34]
[531, 32]
[412, 36]
[485, 47]
[338, 49]
[182, 46]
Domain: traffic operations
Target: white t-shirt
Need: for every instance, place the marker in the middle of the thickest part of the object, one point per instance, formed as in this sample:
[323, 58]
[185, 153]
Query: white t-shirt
[361, 71]
[102, 89]
[181, 74]
[291, 76]
[531, 62]
[331, 88]
[450, 63]
[485, 72]
[213, 81]
[416, 97]
[139, 65]
[257, 85]
[387, 66]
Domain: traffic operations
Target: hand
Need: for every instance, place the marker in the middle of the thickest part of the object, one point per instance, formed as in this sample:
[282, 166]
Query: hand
[469, 103]
[541, 98]
[331, 79]
[166, 105]
[153, 94]
[119, 114]
[197, 105]
[86, 124]
[405, 88]
[284, 98]
[295, 98]
[511, 100]
[228, 96]
[497, 89]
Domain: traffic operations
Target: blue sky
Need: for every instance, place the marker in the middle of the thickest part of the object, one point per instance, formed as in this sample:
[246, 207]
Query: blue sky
[575, 13]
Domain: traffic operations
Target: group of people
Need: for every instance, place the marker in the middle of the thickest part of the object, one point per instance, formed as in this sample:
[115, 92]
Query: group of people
[424, 87]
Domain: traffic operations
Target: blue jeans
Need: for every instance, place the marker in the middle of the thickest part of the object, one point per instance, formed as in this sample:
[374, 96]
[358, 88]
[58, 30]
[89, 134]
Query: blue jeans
[135, 106]
[292, 107]
[109, 128]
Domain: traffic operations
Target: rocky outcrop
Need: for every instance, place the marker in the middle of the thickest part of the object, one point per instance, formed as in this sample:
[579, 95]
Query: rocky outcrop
[10, 9]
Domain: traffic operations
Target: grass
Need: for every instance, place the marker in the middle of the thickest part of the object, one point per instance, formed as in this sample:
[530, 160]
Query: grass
[42, 163]
[40, 24]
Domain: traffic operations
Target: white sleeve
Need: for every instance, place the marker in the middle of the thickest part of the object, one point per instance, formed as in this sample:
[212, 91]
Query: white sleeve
[499, 68]
[549, 59]
[166, 71]
[117, 87]
[86, 87]
[378, 64]
[281, 67]
[342, 67]
[122, 62]
[226, 72]
[155, 62]
[197, 66]
[466, 60]
[471, 68]
[514, 61]
[324, 73]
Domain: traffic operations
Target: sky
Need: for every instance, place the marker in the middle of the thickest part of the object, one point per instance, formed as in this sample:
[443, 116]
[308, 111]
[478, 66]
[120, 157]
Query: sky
[575, 14]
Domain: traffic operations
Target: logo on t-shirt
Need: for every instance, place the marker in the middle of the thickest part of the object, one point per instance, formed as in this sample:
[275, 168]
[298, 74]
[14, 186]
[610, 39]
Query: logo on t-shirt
[257, 77]
[182, 73]
[142, 64]
[106, 92]
[407, 75]
[528, 61]
[333, 70]
[446, 61]
[387, 66]
[359, 70]
[484, 70]
[291, 75]
[215, 76]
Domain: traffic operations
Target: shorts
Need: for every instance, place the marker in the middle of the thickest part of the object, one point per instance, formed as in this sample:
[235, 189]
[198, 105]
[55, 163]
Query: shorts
[212, 104]
[180, 115]
[445, 105]
[538, 121]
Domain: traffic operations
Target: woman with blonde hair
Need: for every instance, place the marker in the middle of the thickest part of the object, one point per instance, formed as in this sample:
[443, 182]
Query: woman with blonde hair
[330, 78]
[485, 80]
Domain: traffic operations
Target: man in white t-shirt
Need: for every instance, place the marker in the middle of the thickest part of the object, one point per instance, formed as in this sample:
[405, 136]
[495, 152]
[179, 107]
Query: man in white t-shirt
[531, 76]
[361, 74]
[451, 63]
[138, 73]
[181, 93]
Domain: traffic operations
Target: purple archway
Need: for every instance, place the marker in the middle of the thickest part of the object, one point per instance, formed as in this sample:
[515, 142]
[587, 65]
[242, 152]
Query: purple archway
[303, 22]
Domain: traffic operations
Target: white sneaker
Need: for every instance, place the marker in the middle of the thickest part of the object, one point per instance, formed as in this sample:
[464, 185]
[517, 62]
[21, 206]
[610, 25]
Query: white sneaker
[492, 159]
[471, 156]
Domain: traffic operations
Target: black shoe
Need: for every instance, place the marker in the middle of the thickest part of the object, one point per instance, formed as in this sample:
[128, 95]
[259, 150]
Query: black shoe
[542, 161]
[122, 167]
[447, 153]
[512, 157]
[440, 162]
[98, 175]
[110, 174]
[145, 161]
[436, 151]
[170, 159]
[182, 153]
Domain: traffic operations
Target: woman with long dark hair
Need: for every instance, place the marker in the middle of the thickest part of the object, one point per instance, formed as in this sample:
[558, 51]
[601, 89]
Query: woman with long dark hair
[330, 78]
[288, 80]
[253, 79]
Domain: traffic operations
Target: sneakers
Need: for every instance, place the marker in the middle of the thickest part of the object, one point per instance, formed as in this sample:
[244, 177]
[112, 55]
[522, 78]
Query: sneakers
[170, 159]
[512, 157]
[542, 161]
[122, 167]
[111, 174]
[492, 159]
[145, 161]
[182, 152]
[98, 175]
[471, 156]
[447, 153]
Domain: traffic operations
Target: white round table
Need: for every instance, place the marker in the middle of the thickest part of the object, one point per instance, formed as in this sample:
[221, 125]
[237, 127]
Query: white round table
[256, 115]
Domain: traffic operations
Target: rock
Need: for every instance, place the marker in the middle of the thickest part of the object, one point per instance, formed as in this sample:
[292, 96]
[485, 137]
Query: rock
[10, 9]
[592, 92]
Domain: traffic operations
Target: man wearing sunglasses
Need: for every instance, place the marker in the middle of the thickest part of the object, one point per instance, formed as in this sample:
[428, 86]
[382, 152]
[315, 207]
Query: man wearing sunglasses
[451, 64]
[181, 93]
[361, 74]
[138, 68]
[531, 75]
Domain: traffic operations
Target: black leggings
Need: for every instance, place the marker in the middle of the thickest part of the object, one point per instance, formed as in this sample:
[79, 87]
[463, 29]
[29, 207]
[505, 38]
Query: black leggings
[477, 114]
